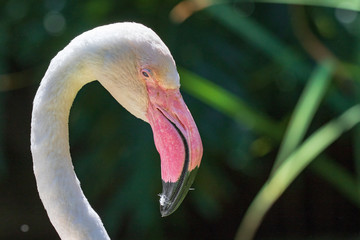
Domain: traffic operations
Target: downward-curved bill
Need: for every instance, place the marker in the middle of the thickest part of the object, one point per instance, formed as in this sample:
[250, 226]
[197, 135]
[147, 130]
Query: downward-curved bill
[178, 143]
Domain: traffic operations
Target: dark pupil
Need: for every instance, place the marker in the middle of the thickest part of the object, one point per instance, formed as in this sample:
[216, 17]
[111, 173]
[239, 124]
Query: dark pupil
[145, 74]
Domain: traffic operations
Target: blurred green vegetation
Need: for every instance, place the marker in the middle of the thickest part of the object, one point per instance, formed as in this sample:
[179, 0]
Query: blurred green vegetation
[273, 88]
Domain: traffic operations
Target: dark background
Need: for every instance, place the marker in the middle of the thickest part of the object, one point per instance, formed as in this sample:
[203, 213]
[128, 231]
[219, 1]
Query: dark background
[264, 55]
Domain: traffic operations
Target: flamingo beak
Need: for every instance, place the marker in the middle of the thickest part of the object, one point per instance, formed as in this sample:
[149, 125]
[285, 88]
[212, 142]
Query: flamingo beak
[178, 142]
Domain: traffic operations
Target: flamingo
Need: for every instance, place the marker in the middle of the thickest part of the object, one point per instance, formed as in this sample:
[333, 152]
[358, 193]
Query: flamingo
[138, 70]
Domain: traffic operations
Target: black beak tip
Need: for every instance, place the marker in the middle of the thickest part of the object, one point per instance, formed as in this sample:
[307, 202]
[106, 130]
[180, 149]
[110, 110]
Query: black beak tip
[164, 211]
[170, 198]
[174, 192]
[165, 206]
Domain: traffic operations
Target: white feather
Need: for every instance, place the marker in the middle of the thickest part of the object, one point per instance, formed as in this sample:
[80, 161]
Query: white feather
[112, 54]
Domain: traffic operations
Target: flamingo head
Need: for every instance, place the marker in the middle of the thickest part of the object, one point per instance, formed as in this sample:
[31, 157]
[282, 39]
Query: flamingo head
[144, 79]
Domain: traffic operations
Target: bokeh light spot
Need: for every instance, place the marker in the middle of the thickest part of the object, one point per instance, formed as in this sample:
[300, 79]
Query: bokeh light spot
[345, 16]
[24, 228]
[54, 23]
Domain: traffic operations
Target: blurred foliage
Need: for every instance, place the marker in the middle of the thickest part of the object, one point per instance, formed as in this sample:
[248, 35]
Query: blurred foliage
[272, 88]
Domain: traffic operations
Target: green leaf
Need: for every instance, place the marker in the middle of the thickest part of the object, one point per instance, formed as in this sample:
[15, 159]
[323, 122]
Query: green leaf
[292, 167]
[348, 5]
[305, 110]
[249, 30]
[227, 103]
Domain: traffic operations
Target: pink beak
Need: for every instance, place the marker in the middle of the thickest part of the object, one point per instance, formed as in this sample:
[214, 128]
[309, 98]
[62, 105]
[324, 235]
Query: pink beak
[178, 142]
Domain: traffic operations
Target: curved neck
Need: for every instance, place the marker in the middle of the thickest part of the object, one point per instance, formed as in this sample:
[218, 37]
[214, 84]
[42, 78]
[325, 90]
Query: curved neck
[58, 186]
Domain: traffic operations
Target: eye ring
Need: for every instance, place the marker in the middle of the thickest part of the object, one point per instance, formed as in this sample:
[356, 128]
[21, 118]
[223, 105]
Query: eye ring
[145, 73]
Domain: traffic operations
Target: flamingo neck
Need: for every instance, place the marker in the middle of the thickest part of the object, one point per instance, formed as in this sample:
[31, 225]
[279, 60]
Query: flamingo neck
[59, 189]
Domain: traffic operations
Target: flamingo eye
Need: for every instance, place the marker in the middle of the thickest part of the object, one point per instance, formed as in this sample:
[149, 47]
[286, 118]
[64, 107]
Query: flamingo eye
[145, 73]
